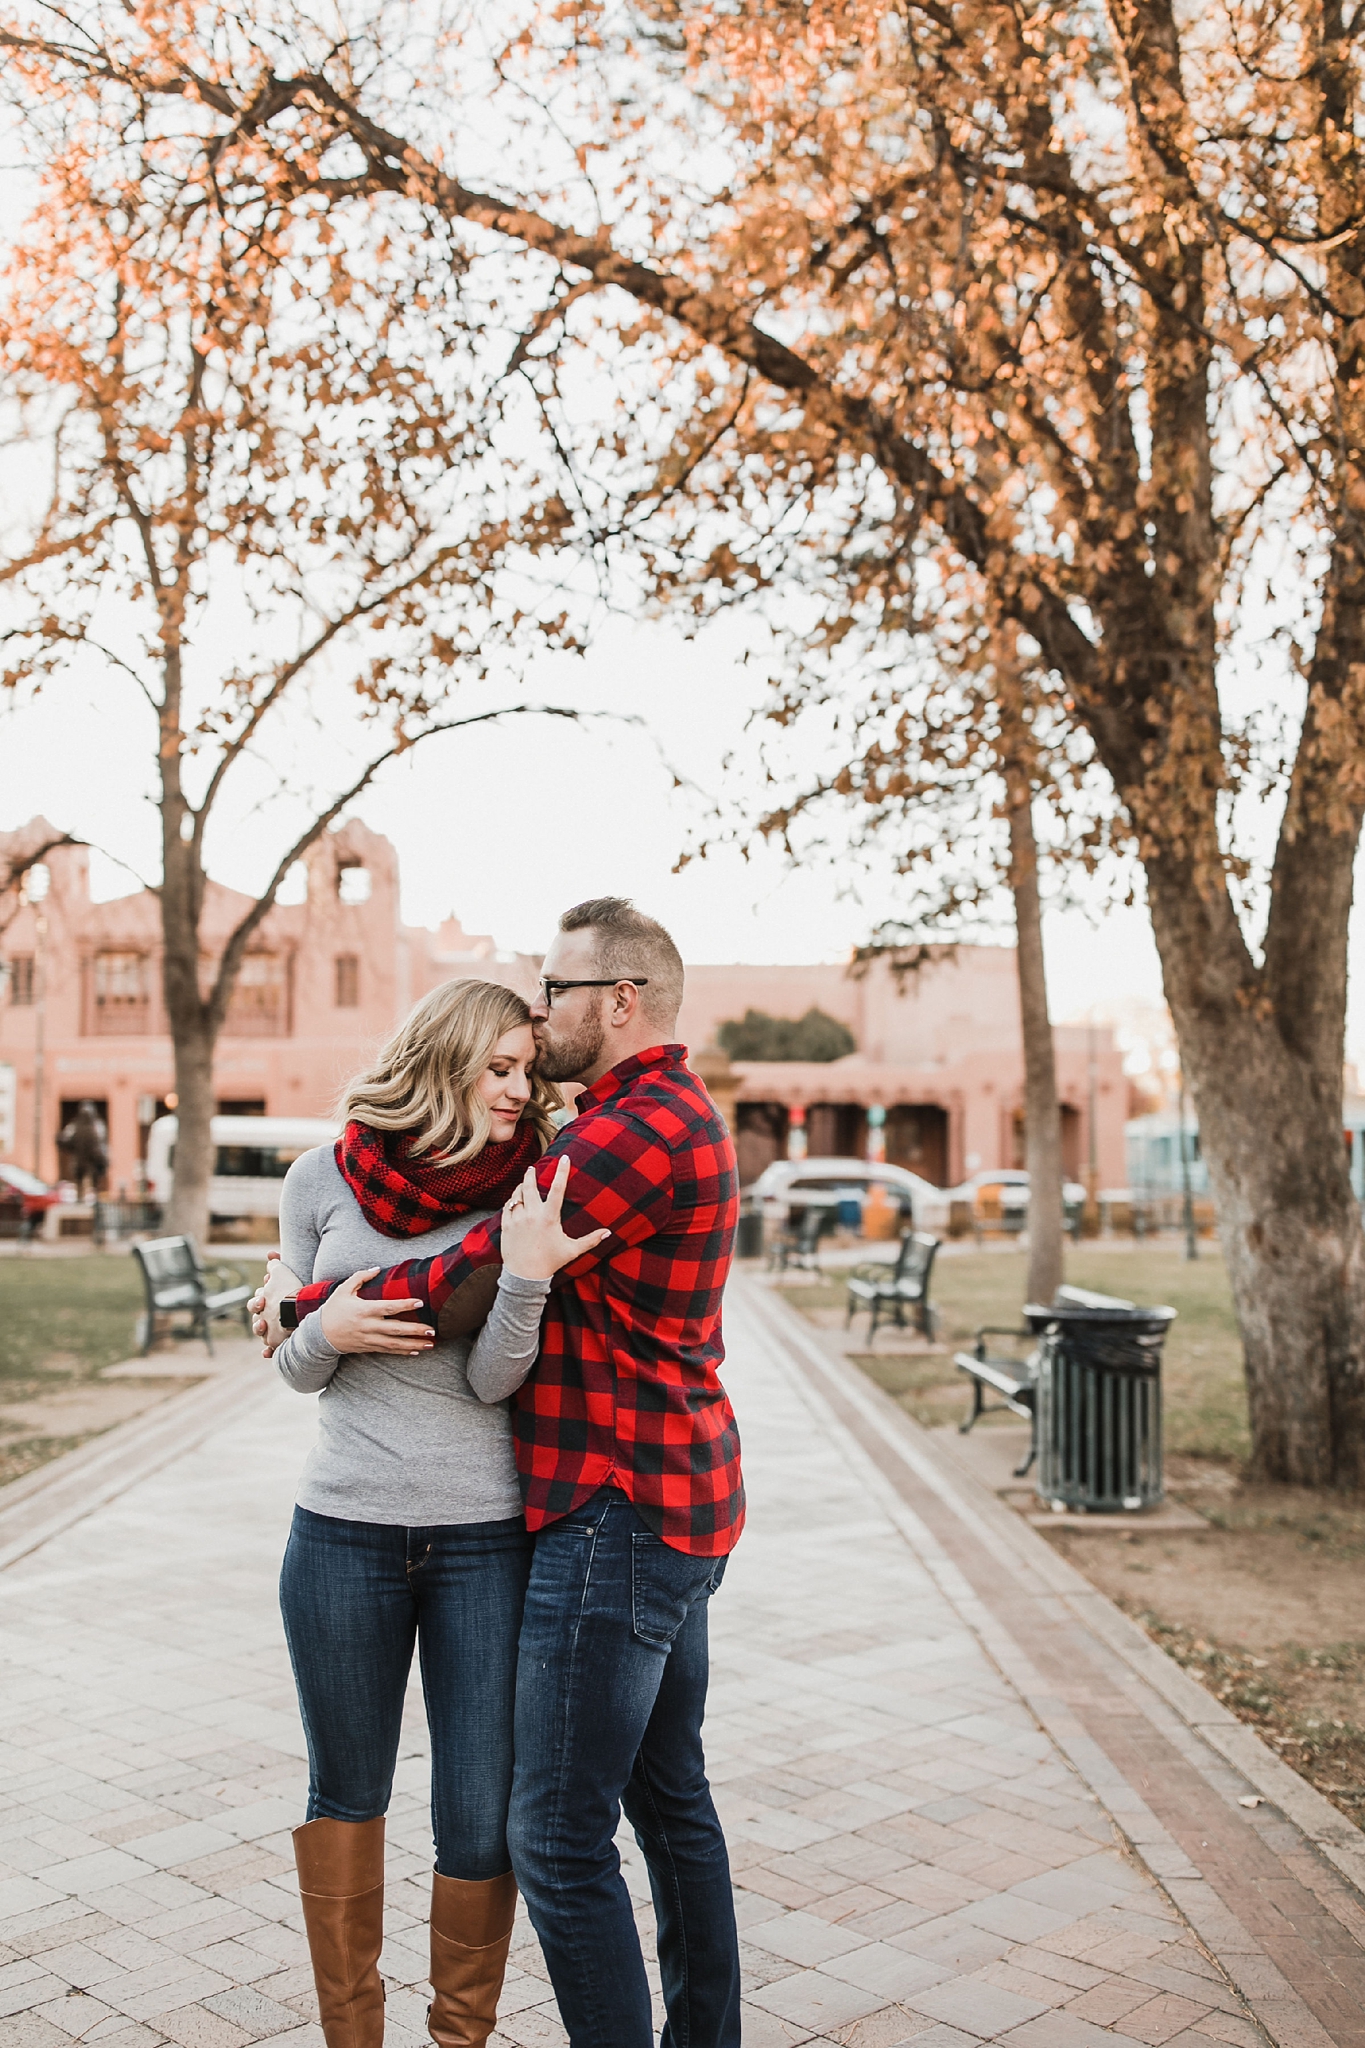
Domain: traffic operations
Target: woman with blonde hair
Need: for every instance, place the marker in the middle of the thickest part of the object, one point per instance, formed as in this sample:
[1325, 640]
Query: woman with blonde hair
[408, 1529]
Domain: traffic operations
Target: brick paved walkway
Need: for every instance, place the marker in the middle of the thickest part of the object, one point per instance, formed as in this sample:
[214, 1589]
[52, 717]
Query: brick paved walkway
[958, 1809]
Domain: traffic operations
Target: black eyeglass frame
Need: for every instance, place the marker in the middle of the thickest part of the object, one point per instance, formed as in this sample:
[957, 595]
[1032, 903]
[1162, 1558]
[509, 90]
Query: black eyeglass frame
[550, 989]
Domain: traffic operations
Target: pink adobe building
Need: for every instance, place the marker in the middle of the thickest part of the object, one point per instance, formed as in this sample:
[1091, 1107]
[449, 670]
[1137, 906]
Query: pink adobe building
[322, 986]
[939, 1052]
[327, 978]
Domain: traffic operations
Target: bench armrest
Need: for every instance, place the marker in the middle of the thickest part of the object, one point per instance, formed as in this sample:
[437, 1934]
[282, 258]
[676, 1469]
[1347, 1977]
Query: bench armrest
[220, 1276]
[998, 1330]
[1020, 1389]
[228, 1298]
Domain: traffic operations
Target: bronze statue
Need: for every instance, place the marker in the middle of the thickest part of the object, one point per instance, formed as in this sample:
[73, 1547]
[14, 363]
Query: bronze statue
[86, 1141]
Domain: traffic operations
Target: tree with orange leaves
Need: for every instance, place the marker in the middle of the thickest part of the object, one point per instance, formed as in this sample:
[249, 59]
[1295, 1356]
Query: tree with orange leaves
[271, 435]
[1088, 287]
[1072, 301]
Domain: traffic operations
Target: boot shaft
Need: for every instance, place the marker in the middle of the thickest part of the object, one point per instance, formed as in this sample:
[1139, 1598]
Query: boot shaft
[341, 1886]
[471, 1933]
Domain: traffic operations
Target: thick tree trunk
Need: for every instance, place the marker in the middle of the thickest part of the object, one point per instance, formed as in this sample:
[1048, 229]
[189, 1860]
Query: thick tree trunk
[188, 1212]
[193, 1022]
[1042, 1114]
[1265, 1074]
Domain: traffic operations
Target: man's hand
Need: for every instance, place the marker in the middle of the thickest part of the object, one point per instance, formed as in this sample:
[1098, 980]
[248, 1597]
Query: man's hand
[264, 1305]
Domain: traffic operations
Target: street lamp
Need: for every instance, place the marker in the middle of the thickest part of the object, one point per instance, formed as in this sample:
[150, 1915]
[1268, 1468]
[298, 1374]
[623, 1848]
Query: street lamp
[37, 882]
[1092, 1118]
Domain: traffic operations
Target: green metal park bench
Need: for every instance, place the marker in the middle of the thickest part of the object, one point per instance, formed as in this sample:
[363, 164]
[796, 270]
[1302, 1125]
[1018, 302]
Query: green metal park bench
[891, 1290]
[176, 1282]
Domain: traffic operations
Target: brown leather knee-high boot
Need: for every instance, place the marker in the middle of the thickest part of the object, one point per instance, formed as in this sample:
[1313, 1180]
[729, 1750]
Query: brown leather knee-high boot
[471, 1932]
[341, 1882]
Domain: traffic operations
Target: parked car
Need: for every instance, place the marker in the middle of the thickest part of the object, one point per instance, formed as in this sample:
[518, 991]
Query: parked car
[251, 1156]
[1012, 1182]
[789, 1185]
[24, 1201]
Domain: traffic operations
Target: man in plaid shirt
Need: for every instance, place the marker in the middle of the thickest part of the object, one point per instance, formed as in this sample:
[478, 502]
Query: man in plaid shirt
[629, 1461]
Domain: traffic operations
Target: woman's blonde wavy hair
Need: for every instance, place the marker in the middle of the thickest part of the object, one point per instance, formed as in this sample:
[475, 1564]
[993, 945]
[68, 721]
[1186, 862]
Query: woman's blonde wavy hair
[425, 1079]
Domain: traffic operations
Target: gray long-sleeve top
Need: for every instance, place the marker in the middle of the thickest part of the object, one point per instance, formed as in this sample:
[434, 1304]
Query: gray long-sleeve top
[412, 1442]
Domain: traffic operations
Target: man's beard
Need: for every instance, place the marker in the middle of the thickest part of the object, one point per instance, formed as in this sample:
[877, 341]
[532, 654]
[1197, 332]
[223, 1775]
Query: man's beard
[565, 1058]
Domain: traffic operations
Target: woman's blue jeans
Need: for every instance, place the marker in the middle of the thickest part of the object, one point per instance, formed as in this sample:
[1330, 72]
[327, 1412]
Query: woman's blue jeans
[356, 1597]
[610, 1697]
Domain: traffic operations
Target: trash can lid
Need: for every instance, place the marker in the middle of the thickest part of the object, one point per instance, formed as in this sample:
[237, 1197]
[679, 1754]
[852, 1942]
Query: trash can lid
[1082, 1305]
[1085, 1297]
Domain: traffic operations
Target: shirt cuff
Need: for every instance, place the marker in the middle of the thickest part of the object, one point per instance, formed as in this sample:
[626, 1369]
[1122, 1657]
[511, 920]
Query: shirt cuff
[313, 1295]
[310, 1345]
[517, 1283]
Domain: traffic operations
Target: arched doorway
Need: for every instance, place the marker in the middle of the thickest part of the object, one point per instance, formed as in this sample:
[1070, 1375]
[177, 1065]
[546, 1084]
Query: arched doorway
[836, 1130]
[917, 1138]
[760, 1137]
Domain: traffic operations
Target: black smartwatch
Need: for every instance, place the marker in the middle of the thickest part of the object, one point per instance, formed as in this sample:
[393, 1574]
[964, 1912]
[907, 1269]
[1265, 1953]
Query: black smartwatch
[289, 1312]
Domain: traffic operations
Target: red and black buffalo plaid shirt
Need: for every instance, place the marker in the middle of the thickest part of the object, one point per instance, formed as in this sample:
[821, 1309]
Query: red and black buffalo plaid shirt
[627, 1390]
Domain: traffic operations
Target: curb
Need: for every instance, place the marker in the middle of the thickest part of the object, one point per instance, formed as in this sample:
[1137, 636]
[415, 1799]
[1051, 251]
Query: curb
[44, 1503]
[1328, 1830]
[1330, 1856]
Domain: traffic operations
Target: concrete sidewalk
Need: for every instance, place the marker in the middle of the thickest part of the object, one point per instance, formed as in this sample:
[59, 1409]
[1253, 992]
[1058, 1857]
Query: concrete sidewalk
[961, 1806]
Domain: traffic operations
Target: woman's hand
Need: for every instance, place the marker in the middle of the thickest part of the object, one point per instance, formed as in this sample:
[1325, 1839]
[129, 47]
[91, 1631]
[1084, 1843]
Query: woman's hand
[350, 1324]
[534, 1245]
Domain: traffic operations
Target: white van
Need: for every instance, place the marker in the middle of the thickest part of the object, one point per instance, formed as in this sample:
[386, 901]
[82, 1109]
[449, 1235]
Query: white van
[252, 1154]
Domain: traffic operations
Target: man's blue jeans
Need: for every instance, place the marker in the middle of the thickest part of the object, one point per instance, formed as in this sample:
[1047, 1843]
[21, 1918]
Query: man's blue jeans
[356, 1596]
[611, 1689]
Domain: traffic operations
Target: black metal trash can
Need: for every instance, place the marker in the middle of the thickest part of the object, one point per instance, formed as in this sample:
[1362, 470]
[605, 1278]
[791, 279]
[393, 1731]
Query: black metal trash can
[749, 1234]
[1099, 1401]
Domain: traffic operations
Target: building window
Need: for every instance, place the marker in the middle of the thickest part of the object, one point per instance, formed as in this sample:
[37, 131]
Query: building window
[348, 981]
[119, 993]
[260, 1001]
[353, 883]
[21, 981]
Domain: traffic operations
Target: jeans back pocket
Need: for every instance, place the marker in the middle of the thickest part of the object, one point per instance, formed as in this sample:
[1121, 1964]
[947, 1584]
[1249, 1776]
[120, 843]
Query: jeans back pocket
[664, 1583]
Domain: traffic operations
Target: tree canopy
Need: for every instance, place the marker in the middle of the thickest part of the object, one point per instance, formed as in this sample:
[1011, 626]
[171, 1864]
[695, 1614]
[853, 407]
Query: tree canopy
[815, 1036]
[278, 479]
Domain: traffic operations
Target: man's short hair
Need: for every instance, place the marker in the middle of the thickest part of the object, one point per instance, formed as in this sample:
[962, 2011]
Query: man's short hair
[630, 943]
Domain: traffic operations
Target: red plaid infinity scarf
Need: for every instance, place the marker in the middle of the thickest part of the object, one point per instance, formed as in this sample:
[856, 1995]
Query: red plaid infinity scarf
[403, 1196]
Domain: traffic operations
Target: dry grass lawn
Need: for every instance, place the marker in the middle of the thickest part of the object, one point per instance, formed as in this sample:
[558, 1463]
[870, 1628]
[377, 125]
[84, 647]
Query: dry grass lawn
[64, 1320]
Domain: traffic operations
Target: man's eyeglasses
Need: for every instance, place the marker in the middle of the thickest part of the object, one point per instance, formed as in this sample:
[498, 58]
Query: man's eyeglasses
[550, 989]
